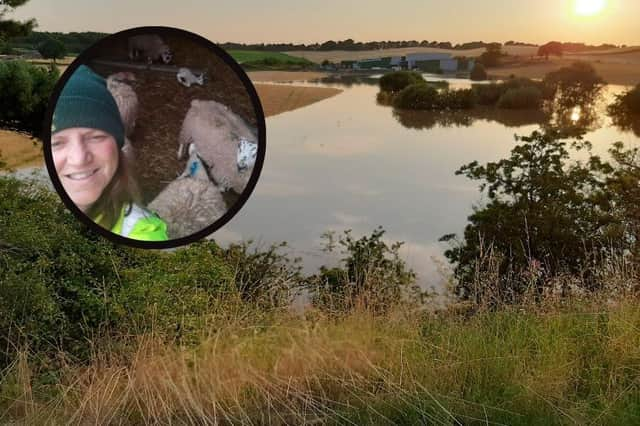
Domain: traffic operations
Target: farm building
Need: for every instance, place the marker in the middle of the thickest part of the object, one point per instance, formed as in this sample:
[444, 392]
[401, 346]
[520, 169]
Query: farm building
[347, 64]
[437, 62]
[427, 62]
[373, 63]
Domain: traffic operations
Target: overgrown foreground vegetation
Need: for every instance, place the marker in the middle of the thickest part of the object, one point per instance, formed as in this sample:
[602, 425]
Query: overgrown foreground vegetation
[564, 364]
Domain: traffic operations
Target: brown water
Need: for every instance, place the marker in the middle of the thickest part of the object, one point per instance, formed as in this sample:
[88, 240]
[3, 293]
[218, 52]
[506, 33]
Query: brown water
[349, 163]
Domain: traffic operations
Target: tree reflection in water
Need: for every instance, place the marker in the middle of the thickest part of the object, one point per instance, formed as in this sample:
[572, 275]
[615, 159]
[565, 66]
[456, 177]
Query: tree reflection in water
[430, 119]
[569, 116]
[625, 111]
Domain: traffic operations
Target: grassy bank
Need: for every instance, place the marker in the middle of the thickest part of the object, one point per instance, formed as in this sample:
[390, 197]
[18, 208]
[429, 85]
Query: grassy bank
[564, 364]
[258, 60]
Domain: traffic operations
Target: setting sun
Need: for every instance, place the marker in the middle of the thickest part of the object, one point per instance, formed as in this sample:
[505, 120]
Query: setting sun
[589, 7]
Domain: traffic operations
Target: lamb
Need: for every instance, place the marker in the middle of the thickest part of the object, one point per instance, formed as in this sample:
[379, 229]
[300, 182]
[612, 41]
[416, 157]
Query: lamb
[186, 77]
[223, 140]
[150, 47]
[191, 202]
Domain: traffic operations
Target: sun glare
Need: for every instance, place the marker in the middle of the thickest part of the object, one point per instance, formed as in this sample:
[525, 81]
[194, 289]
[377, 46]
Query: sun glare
[589, 7]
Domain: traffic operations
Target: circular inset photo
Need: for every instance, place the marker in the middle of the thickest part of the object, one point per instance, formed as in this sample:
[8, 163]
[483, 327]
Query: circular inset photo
[155, 137]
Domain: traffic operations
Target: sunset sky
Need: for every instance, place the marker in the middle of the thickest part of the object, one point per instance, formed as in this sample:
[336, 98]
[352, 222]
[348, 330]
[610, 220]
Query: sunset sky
[310, 21]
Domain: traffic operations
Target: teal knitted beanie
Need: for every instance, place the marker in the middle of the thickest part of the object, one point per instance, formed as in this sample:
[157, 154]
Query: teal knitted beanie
[85, 101]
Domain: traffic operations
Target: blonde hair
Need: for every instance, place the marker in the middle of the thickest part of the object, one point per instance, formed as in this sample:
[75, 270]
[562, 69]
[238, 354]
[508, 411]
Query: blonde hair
[120, 192]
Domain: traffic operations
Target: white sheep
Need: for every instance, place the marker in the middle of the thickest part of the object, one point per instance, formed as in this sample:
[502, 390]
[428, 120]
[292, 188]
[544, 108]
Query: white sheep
[186, 77]
[150, 47]
[127, 102]
[191, 202]
[125, 98]
[223, 140]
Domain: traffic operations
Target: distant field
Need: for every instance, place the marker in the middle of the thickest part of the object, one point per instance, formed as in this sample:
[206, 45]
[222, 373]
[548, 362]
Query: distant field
[242, 56]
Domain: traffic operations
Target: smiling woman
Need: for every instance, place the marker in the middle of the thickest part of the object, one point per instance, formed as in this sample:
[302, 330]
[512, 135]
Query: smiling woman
[86, 146]
[589, 7]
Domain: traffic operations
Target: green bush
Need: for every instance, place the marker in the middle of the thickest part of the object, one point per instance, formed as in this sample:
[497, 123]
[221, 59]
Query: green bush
[24, 95]
[417, 96]
[521, 98]
[372, 275]
[422, 96]
[457, 99]
[478, 72]
[398, 80]
[488, 94]
[60, 283]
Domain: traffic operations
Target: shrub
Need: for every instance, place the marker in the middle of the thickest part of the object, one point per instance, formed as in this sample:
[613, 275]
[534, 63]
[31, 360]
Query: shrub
[457, 99]
[398, 80]
[546, 214]
[488, 94]
[60, 283]
[422, 96]
[372, 275]
[520, 98]
[24, 94]
[478, 72]
[417, 96]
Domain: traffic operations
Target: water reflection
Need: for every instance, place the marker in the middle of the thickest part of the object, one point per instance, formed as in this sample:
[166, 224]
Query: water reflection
[627, 122]
[560, 114]
[509, 118]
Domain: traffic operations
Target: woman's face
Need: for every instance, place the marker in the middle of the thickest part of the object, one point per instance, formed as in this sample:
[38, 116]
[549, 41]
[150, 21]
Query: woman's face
[86, 160]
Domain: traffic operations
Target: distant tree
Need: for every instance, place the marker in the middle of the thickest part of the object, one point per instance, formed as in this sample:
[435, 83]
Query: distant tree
[492, 55]
[478, 72]
[577, 84]
[52, 48]
[328, 45]
[10, 28]
[551, 48]
[24, 95]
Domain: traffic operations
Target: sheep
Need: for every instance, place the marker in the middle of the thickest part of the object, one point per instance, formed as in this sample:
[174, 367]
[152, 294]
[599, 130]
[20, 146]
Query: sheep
[218, 136]
[125, 98]
[191, 202]
[150, 47]
[127, 102]
[186, 77]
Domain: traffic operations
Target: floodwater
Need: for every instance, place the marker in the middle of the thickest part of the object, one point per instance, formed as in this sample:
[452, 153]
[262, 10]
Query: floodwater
[350, 163]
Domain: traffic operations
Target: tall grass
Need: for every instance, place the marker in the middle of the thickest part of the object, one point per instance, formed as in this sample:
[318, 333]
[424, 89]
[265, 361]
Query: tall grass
[574, 362]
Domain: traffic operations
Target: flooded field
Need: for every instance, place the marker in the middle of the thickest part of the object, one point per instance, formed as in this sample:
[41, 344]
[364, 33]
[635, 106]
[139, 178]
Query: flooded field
[348, 162]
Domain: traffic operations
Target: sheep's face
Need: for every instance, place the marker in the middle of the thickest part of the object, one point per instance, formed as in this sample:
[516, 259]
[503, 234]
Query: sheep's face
[247, 152]
[166, 56]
